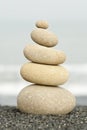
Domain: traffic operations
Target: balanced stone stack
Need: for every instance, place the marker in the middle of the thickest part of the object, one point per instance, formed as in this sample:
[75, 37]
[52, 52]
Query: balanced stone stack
[44, 96]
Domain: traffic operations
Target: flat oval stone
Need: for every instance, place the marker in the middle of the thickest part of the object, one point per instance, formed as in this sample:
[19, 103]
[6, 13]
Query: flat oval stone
[38, 99]
[44, 37]
[42, 24]
[44, 74]
[44, 55]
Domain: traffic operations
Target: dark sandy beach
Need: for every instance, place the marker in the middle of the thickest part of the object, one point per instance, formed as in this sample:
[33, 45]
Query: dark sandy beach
[12, 119]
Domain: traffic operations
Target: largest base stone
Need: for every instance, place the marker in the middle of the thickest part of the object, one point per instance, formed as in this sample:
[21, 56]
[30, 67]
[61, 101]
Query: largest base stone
[38, 99]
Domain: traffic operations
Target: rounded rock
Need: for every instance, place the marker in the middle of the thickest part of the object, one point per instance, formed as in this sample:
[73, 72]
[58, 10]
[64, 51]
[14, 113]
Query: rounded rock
[44, 37]
[38, 99]
[44, 74]
[44, 55]
[42, 24]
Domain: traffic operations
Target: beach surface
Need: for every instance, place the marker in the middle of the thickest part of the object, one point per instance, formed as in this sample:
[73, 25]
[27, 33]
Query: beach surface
[12, 119]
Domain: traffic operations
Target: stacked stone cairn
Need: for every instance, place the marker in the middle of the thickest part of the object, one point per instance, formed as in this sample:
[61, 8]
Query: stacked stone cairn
[44, 96]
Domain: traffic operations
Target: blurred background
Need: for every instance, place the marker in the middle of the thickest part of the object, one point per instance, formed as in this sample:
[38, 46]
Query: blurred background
[68, 19]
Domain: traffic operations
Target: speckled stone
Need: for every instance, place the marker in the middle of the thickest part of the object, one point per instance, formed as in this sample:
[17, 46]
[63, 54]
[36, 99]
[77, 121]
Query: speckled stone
[42, 24]
[38, 99]
[44, 55]
[44, 37]
[44, 74]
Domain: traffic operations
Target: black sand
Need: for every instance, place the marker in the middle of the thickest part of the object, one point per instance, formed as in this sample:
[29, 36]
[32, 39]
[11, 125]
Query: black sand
[12, 119]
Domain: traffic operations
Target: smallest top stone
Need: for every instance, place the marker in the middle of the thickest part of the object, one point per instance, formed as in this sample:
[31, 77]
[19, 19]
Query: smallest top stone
[42, 24]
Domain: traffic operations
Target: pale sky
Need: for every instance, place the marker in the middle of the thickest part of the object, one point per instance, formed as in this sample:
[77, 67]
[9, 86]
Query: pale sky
[62, 10]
